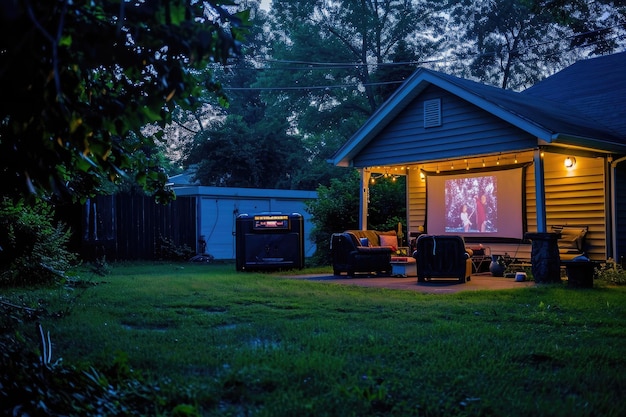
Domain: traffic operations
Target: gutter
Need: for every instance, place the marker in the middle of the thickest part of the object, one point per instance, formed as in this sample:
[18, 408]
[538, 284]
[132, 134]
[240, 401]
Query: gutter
[614, 207]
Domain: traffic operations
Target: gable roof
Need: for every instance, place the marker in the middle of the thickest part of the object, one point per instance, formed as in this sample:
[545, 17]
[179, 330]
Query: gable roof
[596, 86]
[550, 118]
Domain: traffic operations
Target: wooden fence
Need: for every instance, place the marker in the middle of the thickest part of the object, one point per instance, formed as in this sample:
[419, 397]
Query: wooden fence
[132, 227]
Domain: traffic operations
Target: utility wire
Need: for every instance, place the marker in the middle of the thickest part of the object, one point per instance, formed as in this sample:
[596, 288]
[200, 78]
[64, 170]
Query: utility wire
[313, 65]
[316, 65]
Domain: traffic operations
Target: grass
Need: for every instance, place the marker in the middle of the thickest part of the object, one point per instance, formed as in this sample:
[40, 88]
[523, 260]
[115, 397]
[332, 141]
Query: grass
[262, 344]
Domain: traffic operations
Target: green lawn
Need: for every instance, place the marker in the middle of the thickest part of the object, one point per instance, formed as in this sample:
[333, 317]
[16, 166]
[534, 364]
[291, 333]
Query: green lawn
[255, 344]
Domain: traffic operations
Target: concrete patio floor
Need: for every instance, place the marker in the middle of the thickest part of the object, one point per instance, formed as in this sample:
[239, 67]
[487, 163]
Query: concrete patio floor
[482, 281]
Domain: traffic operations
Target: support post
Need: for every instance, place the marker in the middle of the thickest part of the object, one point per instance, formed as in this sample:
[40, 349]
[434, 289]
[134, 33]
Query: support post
[366, 174]
[540, 192]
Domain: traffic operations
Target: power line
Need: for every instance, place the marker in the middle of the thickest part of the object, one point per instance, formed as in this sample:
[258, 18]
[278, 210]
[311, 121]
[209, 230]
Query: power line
[314, 65]
[316, 87]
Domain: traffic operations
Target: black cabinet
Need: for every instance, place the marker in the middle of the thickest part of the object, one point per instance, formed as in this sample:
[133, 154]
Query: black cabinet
[267, 241]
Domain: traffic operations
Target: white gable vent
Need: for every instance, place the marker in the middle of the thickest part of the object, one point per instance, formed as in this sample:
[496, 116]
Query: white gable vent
[432, 113]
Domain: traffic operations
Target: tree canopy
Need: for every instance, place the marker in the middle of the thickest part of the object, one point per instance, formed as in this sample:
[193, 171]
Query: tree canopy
[82, 77]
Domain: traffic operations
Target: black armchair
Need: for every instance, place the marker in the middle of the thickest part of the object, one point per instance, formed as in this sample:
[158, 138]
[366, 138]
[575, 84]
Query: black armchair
[442, 257]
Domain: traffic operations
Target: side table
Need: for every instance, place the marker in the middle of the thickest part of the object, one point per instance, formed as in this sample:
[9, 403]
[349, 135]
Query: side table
[403, 266]
[481, 255]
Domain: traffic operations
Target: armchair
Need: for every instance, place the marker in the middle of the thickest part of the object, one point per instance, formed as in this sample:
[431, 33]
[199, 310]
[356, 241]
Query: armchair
[442, 257]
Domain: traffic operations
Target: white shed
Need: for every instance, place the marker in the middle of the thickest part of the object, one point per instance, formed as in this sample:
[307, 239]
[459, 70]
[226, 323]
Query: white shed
[218, 207]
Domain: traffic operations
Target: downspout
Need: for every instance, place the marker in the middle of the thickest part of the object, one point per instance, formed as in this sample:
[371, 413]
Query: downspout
[540, 191]
[614, 207]
[364, 197]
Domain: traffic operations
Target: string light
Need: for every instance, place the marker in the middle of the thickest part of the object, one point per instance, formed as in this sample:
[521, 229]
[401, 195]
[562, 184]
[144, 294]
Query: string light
[386, 174]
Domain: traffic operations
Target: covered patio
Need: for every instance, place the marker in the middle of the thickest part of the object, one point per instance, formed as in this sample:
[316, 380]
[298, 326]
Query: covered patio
[563, 141]
[479, 282]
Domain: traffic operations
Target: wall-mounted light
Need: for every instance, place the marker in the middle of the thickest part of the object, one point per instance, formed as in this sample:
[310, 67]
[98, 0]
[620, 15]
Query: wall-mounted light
[422, 176]
[569, 162]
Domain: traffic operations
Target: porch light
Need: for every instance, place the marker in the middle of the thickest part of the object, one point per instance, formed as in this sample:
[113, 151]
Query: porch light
[570, 161]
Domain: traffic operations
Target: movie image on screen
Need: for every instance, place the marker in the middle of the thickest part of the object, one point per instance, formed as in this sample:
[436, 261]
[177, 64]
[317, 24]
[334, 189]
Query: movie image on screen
[471, 205]
[485, 204]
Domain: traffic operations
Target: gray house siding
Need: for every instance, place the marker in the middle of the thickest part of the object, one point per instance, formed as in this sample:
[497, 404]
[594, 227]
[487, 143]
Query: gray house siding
[466, 130]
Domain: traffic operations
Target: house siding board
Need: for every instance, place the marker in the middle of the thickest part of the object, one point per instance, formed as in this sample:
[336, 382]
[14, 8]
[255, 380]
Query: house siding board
[577, 198]
[416, 200]
[466, 130]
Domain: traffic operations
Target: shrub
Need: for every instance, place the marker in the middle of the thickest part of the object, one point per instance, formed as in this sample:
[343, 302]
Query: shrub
[167, 250]
[32, 384]
[33, 248]
[611, 272]
[337, 209]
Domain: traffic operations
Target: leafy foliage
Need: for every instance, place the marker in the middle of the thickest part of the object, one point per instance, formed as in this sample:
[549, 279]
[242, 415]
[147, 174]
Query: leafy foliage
[611, 272]
[514, 44]
[32, 384]
[84, 76]
[337, 209]
[169, 251]
[33, 248]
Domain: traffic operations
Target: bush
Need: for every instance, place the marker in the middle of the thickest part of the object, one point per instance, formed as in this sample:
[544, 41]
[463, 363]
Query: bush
[33, 248]
[167, 250]
[337, 209]
[611, 272]
[32, 384]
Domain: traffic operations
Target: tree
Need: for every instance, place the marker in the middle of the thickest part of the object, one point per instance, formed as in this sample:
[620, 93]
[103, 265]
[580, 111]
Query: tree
[337, 209]
[516, 43]
[82, 77]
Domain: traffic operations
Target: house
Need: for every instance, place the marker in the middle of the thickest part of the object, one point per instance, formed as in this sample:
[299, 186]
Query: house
[552, 155]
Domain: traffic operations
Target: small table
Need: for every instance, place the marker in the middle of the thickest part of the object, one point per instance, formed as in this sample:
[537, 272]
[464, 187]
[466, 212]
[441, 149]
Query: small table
[403, 266]
[481, 255]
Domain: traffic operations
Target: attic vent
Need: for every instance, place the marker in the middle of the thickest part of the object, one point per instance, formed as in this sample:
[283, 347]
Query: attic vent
[432, 113]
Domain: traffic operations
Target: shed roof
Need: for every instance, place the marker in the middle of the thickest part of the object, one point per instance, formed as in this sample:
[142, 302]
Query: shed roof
[547, 112]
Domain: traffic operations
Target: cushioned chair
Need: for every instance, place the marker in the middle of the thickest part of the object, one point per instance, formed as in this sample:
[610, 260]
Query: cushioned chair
[352, 255]
[442, 257]
[571, 241]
